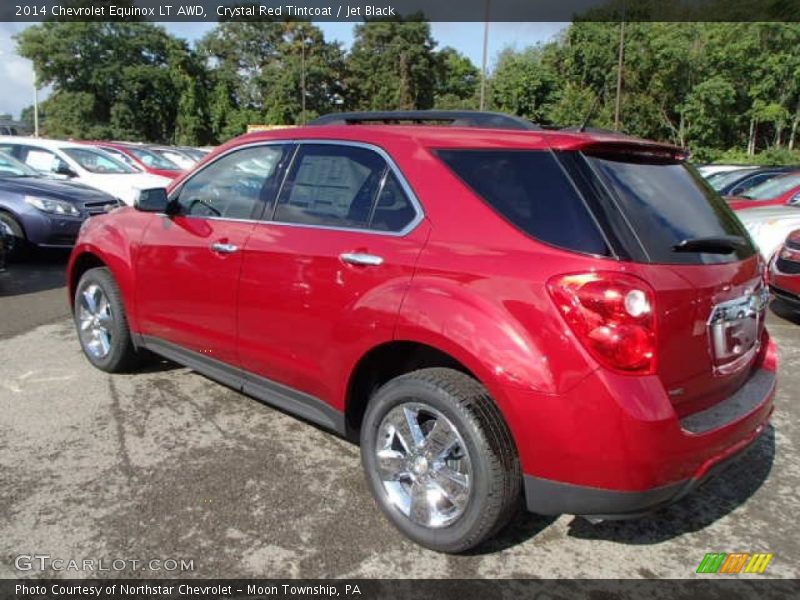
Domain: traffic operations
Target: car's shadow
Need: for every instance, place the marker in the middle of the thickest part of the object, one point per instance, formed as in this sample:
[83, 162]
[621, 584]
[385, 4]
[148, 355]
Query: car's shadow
[42, 270]
[706, 505]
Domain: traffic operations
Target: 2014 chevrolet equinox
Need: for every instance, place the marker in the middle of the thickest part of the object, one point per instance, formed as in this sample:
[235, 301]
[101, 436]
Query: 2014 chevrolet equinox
[495, 310]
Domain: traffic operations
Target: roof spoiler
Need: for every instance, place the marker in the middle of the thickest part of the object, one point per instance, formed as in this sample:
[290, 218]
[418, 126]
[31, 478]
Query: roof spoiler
[452, 118]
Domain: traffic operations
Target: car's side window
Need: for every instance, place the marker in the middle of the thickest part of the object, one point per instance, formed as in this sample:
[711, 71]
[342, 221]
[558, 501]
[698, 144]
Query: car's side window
[331, 185]
[236, 186]
[393, 211]
[40, 159]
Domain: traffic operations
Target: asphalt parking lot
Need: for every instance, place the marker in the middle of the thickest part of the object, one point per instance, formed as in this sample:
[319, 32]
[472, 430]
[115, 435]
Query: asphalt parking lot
[166, 464]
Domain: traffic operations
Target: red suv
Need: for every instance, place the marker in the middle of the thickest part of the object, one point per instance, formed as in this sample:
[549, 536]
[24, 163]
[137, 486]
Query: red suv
[784, 271]
[494, 310]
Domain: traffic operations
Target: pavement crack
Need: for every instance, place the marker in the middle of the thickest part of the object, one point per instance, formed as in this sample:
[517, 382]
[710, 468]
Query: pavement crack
[118, 416]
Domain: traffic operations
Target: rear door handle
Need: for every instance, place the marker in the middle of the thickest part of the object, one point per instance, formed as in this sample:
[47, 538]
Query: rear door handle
[223, 248]
[359, 258]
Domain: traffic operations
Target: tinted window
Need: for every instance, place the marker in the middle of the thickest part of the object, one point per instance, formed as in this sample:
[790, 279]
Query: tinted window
[394, 210]
[331, 185]
[236, 186]
[529, 189]
[667, 203]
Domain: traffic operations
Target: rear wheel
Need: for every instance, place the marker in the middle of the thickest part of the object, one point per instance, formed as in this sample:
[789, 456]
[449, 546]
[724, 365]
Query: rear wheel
[16, 241]
[440, 460]
[102, 324]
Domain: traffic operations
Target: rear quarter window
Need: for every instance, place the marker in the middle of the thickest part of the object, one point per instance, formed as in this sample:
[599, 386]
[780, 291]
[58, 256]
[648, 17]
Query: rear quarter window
[530, 190]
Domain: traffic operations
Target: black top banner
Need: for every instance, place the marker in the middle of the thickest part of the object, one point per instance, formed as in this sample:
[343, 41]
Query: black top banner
[431, 10]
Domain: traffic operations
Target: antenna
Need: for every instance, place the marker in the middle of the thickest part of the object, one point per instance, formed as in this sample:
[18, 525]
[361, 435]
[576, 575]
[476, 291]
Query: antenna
[589, 114]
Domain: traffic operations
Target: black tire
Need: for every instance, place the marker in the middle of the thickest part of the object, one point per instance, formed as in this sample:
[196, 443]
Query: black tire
[122, 356]
[496, 476]
[17, 247]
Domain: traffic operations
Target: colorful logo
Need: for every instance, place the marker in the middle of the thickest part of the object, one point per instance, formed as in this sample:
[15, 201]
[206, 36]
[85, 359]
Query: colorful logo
[736, 562]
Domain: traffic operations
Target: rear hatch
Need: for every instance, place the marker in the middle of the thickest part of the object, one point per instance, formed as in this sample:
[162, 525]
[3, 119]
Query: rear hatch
[677, 234]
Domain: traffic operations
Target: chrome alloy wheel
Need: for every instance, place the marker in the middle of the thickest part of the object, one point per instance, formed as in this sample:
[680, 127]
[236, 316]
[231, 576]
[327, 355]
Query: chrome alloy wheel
[95, 319]
[423, 465]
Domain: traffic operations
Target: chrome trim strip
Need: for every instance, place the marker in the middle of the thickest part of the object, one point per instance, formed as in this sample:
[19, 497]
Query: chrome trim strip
[412, 197]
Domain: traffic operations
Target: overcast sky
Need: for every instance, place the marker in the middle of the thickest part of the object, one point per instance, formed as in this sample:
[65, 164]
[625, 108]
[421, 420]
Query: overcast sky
[16, 88]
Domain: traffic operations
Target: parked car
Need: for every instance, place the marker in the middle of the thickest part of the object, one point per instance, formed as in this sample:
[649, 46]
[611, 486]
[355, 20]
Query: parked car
[175, 155]
[197, 154]
[708, 171]
[784, 271]
[737, 183]
[768, 226]
[779, 191]
[5, 242]
[491, 313]
[80, 163]
[140, 158]
[40, 211]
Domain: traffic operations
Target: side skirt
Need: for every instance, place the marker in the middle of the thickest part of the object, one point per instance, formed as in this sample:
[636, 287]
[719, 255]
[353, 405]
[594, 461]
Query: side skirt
[271, 392]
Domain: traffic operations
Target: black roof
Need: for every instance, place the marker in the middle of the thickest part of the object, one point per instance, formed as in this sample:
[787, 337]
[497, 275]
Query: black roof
[453, 118]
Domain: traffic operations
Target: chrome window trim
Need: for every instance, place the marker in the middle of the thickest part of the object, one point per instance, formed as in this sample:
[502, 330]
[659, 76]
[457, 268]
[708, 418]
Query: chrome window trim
[412, 197]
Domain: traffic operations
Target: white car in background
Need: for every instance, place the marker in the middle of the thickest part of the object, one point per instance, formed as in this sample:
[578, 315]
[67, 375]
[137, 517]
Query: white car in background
[769, 226]
[84, 164]
[710, 170]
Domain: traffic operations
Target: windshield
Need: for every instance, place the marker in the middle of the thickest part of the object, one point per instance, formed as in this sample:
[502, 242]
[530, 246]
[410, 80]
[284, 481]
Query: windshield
[153, 160]
[97, 161]
[723, 179]
[11, 167]
[773, 188]
[121, 156]
[194, 153]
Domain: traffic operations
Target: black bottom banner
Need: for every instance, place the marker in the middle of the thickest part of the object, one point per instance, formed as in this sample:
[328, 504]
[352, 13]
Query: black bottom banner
[397, 589]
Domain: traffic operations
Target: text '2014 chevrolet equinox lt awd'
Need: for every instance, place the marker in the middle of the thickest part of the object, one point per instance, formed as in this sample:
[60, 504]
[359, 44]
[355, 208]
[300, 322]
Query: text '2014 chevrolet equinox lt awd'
[493, 310]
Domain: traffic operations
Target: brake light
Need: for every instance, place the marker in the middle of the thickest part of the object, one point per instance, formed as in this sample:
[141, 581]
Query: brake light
[613, 316]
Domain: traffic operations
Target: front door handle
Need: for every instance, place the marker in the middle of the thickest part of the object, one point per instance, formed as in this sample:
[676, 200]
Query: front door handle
[223, 248]
[361, 259]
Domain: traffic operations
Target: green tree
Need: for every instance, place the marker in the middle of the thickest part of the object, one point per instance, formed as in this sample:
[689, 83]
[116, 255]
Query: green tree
[457, 81]
[126, 79]
[522, 84]
[392, 65]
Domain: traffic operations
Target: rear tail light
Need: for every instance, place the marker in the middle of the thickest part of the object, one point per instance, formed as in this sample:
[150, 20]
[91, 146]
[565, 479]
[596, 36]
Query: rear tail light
[613, 316]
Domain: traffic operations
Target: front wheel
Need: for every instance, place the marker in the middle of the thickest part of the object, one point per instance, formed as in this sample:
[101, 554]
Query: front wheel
[440, 460]
[102, 324]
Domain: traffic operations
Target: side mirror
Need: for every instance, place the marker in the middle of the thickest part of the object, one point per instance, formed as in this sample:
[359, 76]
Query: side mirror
[153, 200]
[62, 168]
[794, 200]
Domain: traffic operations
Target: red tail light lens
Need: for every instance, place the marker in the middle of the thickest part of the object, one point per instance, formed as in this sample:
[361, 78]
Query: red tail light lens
[613, 316]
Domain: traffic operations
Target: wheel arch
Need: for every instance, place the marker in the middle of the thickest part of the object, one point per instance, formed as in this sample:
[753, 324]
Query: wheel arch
[87, 257]
[391, 359]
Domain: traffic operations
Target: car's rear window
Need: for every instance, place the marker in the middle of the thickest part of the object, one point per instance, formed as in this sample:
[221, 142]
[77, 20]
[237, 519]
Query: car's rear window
[666, 203]
[530, 190]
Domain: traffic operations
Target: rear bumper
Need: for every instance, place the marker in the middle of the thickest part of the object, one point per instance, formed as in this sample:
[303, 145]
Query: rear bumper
[614, 447]
[548, 497]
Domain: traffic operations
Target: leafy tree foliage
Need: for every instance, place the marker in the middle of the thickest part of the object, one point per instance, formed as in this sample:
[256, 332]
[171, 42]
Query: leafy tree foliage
[708, 86]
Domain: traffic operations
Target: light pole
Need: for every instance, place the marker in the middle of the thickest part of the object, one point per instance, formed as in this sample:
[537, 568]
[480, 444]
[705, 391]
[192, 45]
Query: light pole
[619, 73]
[303, 78]
[484, 65]
[35, 106]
